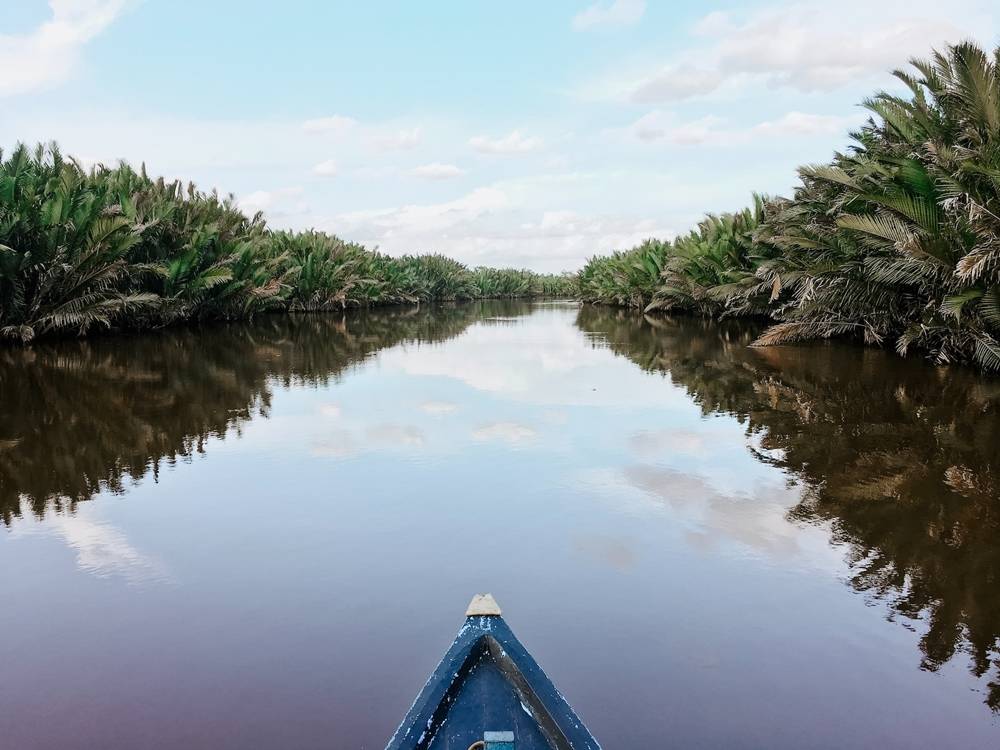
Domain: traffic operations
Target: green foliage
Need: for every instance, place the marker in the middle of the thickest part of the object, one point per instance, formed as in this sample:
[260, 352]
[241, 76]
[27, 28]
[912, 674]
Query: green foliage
[322, 272]
[628, 278]
[513, 283]
[65, 246]
[896, 242]
[107, 247]
[712, 270]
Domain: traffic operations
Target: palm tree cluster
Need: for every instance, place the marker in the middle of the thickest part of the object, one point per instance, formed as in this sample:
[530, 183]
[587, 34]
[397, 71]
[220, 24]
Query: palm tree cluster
[895, 242]
[83, 249]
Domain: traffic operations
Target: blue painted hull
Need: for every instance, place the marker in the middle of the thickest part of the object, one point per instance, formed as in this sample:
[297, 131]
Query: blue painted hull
[488, 692]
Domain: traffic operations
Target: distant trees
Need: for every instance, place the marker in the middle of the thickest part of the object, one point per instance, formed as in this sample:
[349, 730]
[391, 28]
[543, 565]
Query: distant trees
[83, 249]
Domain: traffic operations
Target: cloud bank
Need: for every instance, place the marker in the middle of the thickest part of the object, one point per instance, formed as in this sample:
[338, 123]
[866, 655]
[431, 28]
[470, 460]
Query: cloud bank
[49, 54]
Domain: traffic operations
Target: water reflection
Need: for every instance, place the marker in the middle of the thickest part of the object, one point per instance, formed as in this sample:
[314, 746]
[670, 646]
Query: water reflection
[900, 459]
[338, 484]
[82, 417]
[101, 549]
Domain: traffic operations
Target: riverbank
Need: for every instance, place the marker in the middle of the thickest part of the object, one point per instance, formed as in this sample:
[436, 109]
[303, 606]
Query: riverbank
[86, 249]
[894, 243]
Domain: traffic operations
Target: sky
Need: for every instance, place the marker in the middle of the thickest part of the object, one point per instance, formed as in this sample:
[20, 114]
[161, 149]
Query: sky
[532, 134]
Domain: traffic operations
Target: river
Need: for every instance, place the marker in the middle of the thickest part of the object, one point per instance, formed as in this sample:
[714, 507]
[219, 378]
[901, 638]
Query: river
[265, 535]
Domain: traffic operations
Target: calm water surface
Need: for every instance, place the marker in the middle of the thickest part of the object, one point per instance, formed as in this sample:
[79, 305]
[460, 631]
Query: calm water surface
[264, 536]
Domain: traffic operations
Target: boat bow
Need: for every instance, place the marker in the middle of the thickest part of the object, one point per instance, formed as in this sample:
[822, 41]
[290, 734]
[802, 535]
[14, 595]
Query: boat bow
[489, 693]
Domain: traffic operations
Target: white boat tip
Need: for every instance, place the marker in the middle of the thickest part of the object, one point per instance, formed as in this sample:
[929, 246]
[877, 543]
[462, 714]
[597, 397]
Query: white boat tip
[483, 605]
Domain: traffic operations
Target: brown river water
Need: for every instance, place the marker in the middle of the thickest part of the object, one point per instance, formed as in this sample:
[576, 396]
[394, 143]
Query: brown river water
[264, 535]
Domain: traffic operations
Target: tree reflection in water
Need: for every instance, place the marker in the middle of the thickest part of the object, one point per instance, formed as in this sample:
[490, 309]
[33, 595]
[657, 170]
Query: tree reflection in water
[901, 459]
[898, 458]
[81, 417]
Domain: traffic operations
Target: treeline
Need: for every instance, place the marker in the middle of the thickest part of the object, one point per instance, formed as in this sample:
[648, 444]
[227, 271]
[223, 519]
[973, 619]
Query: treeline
[896, 242]
[84, 249]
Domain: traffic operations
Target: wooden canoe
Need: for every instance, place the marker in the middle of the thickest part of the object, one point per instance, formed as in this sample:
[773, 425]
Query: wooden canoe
[488, 693]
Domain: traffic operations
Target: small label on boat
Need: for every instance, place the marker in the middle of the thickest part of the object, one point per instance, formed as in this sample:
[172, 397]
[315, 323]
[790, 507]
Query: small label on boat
[498, 740]
[498, 736]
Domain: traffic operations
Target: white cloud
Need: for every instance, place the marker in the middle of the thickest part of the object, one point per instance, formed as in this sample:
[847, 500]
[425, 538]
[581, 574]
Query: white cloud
[537, 360]
[514, 142]
[563, 220]
[50, 54]
[377, 136]
[332, 411]
[334, 124]
[337, 444]
[281, 202]
[676, 82]
[437, 171]
[618, 13]
[802, 123]
[326, 168]
[507, 432]
[804, 46]
[101, 549]
[397, 140]
[354, 440]
[670, 442]
[104, 551]
[438, 407]
[662, 126]
[809, 48]
[502, 224]
[756, 517]
[659, 126]
[652, 126]
[396, 436]
[427, 218]
[715, 23]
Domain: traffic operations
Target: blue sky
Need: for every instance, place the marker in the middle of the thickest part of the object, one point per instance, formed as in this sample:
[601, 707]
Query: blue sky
[522, 133]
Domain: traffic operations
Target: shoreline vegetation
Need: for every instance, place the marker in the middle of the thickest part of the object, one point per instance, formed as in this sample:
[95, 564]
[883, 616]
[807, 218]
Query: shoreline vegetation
[895, 243]
[111, 247]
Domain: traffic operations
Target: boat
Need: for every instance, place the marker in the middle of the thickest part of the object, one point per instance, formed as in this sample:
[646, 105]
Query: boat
[488, 693]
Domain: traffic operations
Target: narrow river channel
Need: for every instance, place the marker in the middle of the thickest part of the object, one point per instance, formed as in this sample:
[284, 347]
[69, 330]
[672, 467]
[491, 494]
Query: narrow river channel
[264, 535]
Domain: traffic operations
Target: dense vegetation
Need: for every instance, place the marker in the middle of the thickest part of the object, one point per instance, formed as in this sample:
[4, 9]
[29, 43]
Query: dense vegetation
[84, 249]
[895, 242]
